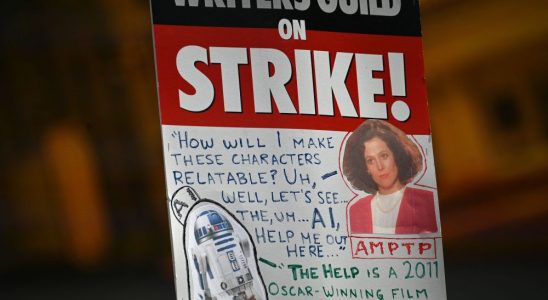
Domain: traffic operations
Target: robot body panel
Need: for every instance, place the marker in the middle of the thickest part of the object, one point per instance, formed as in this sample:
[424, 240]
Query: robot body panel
[224, 265]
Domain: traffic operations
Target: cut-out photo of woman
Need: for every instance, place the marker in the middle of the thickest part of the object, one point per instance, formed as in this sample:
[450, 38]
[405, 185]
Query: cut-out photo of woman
[381, 160]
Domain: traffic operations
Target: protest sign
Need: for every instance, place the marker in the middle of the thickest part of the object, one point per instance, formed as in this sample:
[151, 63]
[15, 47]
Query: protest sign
[297, 147]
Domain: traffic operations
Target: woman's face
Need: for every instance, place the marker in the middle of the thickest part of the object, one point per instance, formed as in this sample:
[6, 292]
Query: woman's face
[381, 165]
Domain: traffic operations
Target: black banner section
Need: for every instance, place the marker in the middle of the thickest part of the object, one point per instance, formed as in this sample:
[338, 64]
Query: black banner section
[386, 17]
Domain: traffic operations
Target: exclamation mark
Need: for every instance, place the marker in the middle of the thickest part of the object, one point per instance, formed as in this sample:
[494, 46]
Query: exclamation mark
[400, 109]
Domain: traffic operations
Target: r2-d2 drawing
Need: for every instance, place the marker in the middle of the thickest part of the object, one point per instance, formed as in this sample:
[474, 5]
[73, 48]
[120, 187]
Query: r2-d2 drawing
[219, 257]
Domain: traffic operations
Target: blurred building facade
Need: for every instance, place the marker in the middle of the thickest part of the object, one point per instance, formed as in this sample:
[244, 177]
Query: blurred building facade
[487, 72]
[81, 153]
[81, 160]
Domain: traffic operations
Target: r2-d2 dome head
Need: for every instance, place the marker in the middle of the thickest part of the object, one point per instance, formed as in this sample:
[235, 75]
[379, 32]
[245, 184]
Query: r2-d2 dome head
[210, 224]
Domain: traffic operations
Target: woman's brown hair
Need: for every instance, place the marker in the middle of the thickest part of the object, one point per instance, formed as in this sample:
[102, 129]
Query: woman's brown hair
[406, 154]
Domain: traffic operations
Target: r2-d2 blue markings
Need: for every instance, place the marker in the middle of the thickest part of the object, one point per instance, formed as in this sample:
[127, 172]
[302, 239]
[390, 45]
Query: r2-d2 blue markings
[219, 254]
[220, 258]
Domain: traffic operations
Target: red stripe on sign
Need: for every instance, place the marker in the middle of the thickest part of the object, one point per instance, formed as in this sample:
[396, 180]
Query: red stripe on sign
[300, 100]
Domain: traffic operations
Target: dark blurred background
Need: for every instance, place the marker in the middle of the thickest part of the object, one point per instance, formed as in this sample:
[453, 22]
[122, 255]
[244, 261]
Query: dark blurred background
[82, 197]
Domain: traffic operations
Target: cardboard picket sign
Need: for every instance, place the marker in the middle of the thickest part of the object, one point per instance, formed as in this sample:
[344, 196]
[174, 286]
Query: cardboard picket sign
[297, 147]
